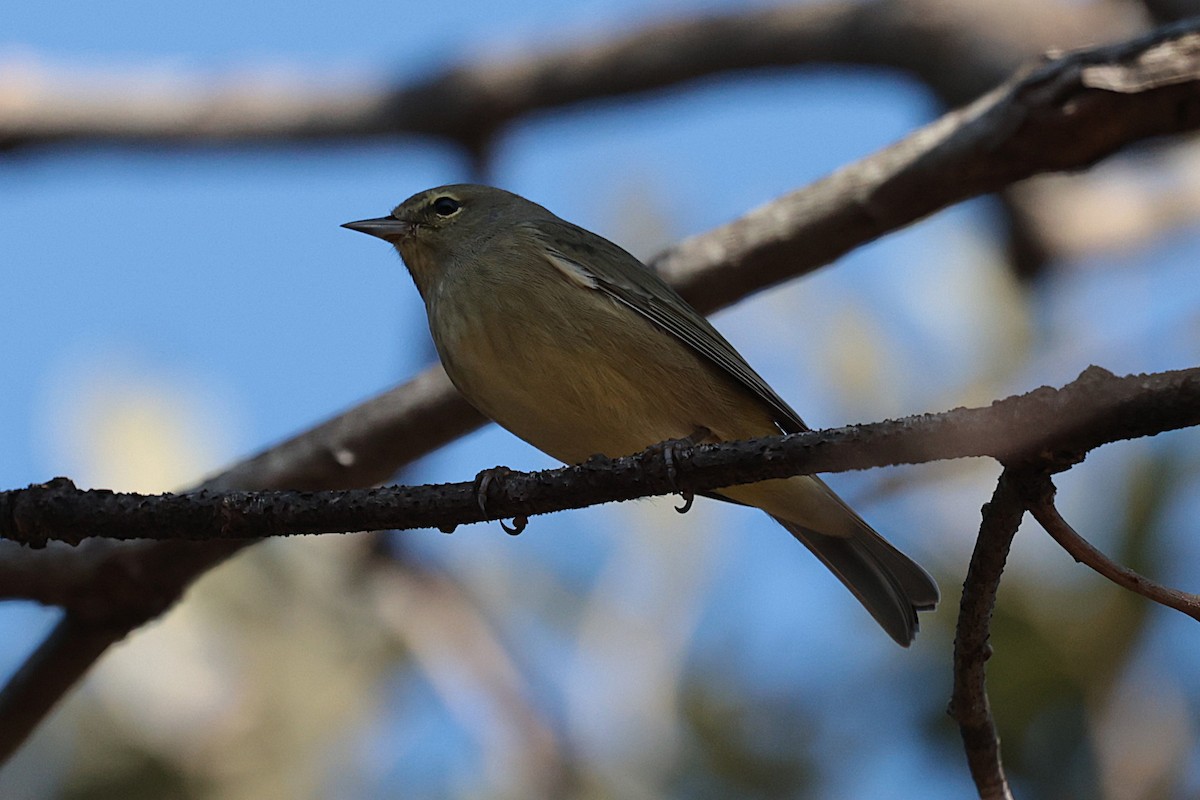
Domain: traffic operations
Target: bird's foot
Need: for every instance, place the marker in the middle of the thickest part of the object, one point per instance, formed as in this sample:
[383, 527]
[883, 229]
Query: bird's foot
[671, 450]
[483, 482]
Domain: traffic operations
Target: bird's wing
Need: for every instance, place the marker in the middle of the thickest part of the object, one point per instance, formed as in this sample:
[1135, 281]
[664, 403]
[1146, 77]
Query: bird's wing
[635, 285]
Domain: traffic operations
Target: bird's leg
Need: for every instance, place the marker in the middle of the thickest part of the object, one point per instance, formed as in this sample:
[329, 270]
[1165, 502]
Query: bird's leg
[483, 482]
[669, 452]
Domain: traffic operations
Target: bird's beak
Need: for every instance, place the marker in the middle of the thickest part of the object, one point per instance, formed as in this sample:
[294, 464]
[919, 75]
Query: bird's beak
[389, 229]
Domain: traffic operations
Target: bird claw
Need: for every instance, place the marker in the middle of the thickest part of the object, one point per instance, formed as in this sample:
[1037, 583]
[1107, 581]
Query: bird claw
[518, 525]
[483, 482]
[669, 454]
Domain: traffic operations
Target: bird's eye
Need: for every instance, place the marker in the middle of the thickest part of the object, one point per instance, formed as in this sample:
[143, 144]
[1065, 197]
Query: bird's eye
[446, 206]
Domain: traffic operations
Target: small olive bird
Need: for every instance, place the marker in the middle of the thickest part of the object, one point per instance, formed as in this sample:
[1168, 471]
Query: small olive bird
[578, 348]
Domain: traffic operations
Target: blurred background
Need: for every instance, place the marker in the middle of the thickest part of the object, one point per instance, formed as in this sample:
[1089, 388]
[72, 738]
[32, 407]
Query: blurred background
[169, 310]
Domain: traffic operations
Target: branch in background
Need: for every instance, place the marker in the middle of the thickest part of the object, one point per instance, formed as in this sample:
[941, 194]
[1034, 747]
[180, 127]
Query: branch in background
[1040, 501]
[969, 705]
[464, 658]
[1064, 115]
[365, 445]
[45, 678]
[959, 51]
[110, 589]
[1056, 428]
[1163, 11]
[362, 447]
[1119, 206]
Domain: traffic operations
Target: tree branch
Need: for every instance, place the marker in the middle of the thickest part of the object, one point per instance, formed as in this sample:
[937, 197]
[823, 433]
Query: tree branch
[1062, 115]
[363, 446]
[1054, 427]
[1040, 501]
[47, 675]
[958, 51]
[1171, 10]
[969, 704]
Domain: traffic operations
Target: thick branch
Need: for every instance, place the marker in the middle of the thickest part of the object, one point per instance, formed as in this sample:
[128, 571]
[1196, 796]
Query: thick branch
[1052, 427]
[363, 446]
[1171, 10]
[1064, 115]
[960, 51]
[58, 663]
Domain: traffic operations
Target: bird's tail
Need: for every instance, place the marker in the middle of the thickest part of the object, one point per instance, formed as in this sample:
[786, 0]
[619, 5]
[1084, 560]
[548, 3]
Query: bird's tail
[889, 584]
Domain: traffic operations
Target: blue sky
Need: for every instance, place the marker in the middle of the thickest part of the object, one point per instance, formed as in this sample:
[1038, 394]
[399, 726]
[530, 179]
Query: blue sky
[220, 277]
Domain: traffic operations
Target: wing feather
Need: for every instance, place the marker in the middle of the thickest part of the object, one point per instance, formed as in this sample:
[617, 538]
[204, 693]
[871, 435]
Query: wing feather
[571, 248]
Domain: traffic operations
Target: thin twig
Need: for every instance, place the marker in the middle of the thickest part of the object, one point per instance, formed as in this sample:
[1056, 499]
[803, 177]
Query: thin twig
[1042, 506]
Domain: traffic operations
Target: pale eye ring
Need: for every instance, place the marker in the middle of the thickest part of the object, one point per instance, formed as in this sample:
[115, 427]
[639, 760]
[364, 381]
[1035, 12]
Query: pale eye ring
[446, 206]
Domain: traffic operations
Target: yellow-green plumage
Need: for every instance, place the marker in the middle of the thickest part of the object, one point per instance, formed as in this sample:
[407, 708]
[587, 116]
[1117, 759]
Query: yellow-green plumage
[573, 345]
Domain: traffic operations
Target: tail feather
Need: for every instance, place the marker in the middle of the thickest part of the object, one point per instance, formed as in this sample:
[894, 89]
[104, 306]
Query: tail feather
[890, 585]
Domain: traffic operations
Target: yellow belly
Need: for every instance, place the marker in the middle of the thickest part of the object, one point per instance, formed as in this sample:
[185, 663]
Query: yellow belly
[596, 379]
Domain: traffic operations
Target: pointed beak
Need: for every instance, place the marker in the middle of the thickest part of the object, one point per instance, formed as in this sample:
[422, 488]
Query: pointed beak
[389, 229]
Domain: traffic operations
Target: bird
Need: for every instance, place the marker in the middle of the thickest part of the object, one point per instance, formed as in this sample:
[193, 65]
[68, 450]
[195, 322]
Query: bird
[574, 345]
